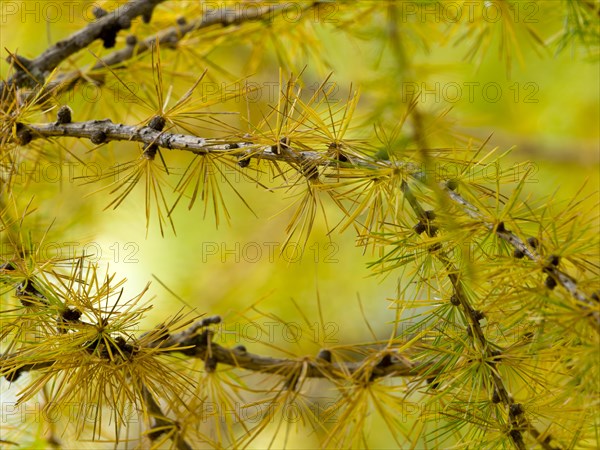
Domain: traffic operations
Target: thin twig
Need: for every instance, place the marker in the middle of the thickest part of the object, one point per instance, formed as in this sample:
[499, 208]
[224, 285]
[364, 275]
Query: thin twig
[517, 418]
[162, 424]
[565, 280]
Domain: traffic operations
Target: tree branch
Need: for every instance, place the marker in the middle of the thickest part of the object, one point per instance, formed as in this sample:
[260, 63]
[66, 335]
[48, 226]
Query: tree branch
[162, 424]
[517, 419]
[196, 342]
[588, 304]
[169, 38]
[100, 131]
[106, 27]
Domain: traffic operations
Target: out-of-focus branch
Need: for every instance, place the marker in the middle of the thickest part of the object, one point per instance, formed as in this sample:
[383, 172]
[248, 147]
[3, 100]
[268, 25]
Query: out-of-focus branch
[197, 342]
[33, 72]
[169, 38]
[162, 424]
